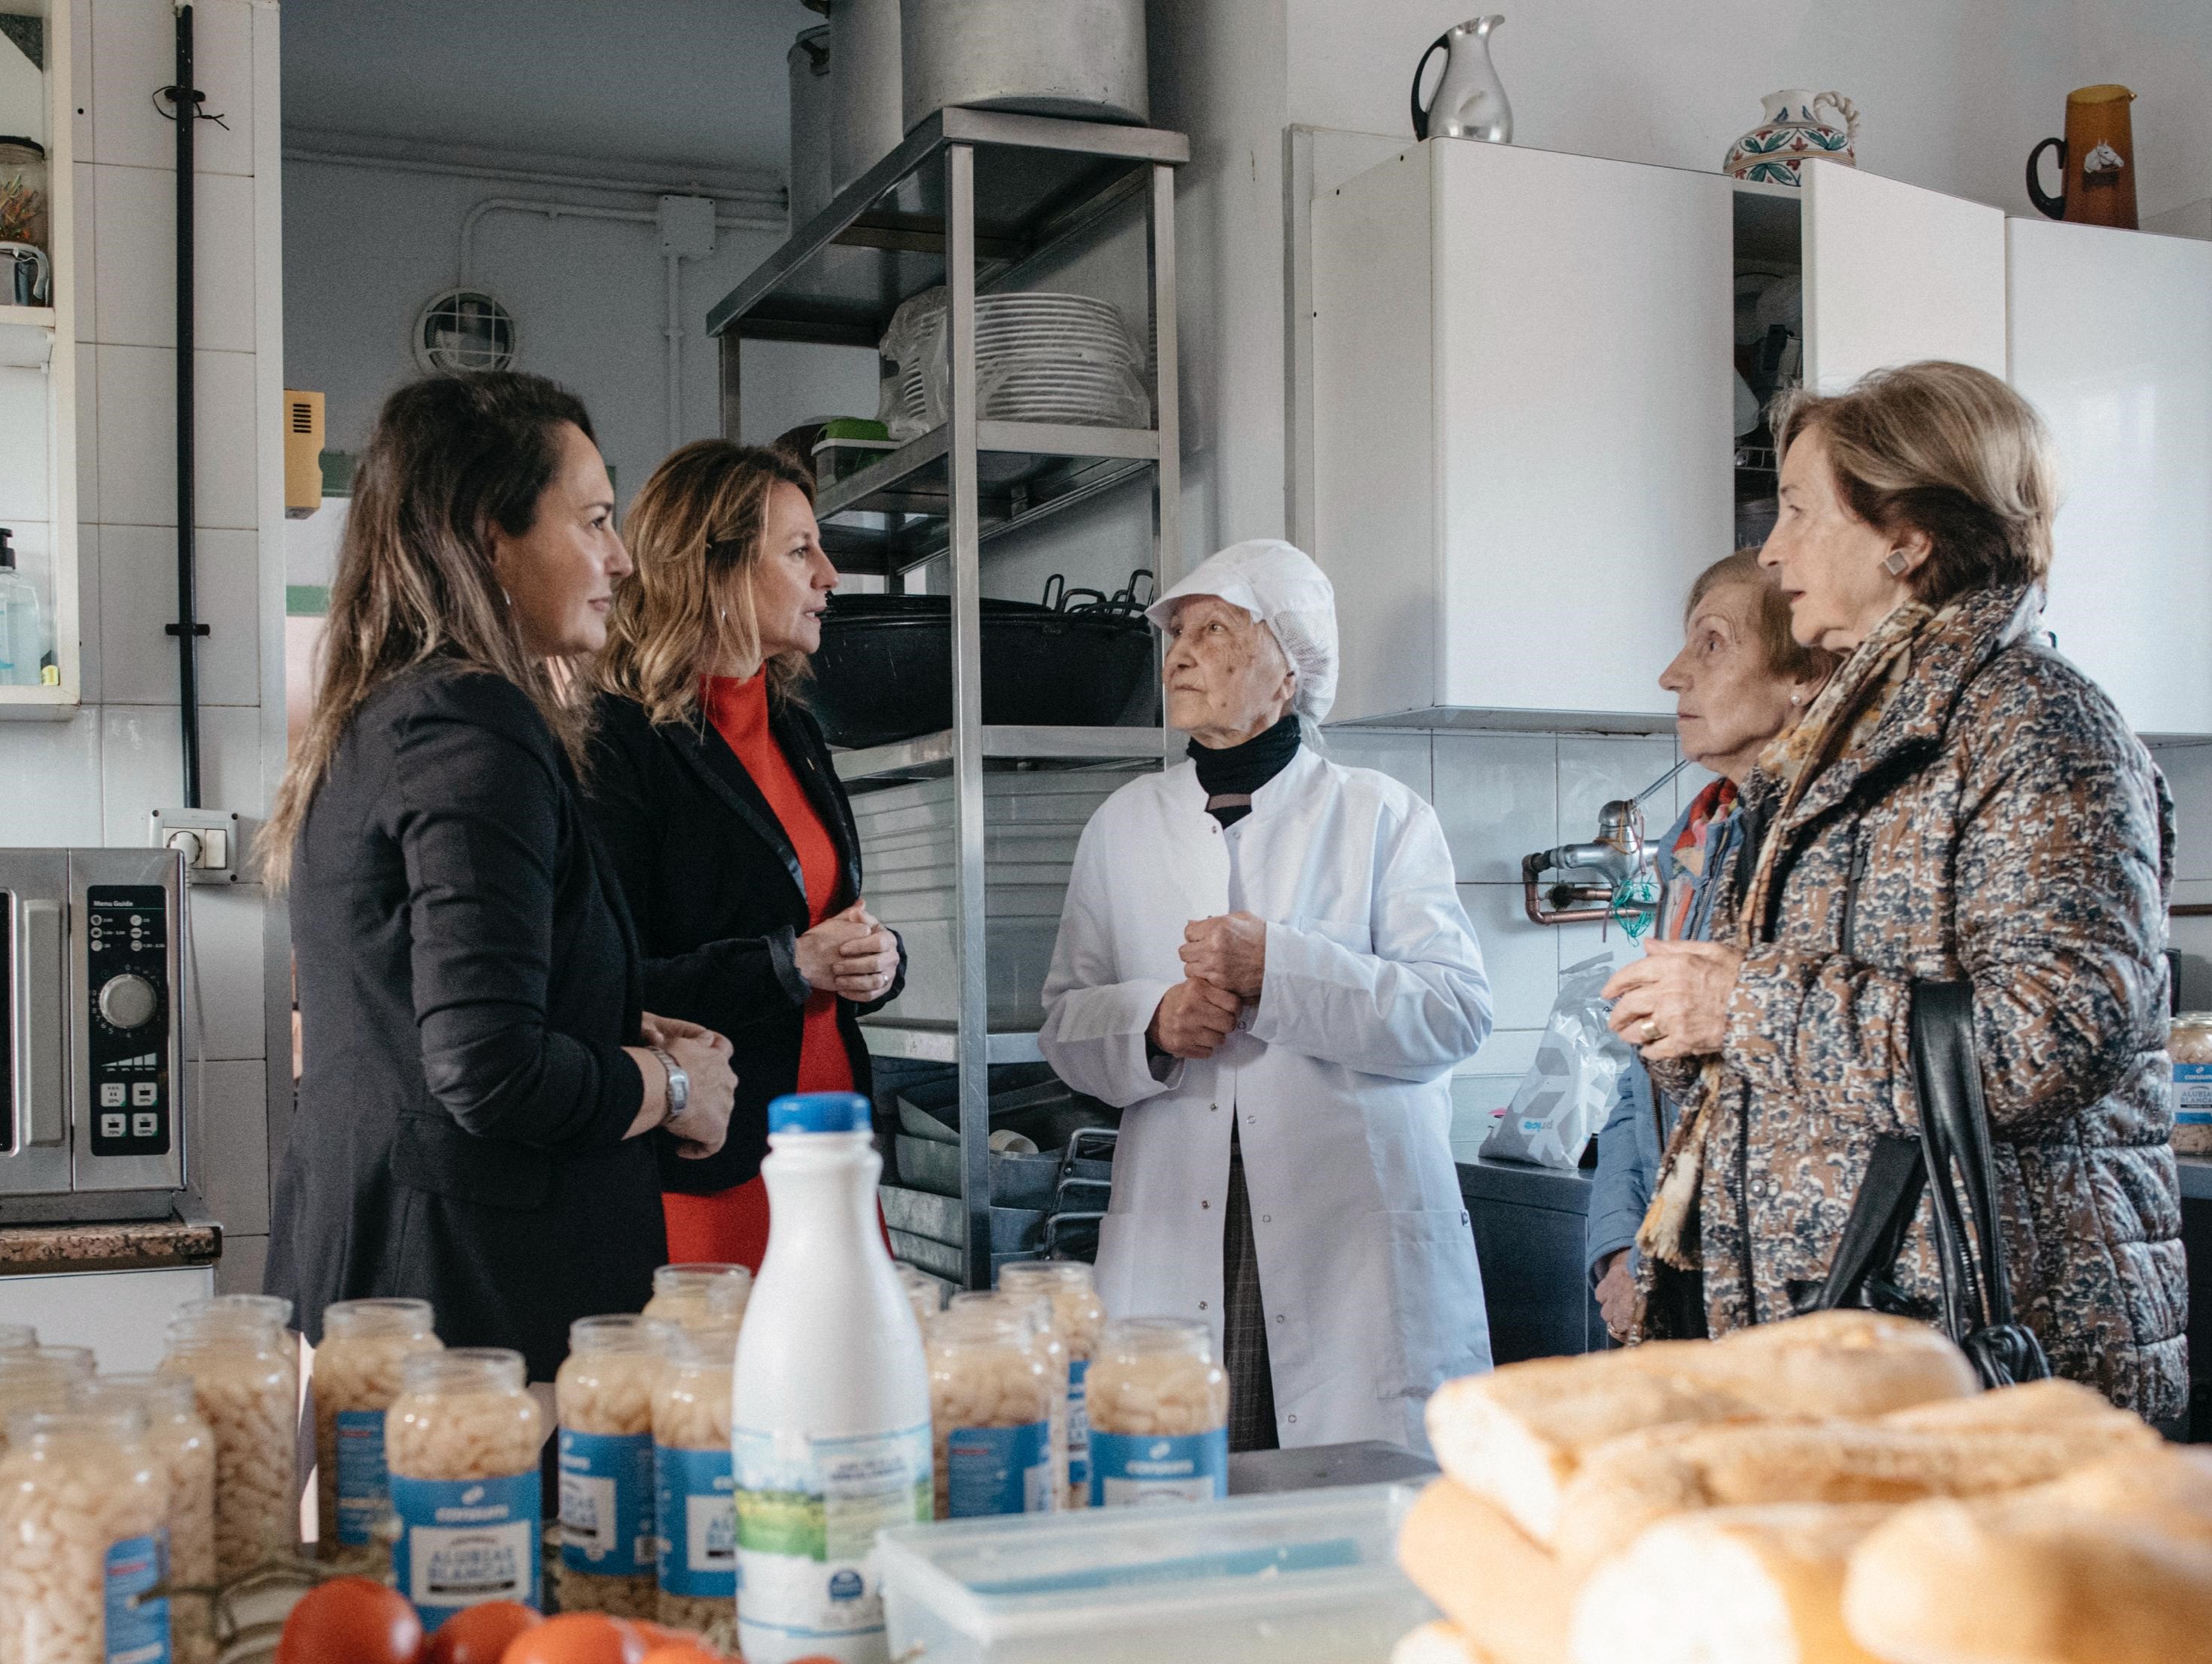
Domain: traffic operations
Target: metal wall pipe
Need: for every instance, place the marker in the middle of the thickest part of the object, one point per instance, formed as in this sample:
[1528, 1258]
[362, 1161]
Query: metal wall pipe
[185, 109]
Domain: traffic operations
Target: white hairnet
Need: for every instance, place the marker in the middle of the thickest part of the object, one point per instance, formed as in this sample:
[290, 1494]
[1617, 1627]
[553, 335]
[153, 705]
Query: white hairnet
[1280, 586]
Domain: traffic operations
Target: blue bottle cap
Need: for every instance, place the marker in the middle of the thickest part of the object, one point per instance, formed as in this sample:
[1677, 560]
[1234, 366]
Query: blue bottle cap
[820, 1112]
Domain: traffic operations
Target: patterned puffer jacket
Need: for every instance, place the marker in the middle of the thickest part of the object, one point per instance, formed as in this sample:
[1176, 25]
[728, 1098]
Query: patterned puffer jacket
[2002, 824]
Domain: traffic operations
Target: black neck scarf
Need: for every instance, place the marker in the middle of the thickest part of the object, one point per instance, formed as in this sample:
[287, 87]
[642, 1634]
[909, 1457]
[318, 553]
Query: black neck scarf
[1236, 772]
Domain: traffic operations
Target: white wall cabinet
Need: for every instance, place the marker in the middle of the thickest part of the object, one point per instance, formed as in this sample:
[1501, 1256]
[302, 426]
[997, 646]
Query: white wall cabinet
[2110, 337]
[1523, 392]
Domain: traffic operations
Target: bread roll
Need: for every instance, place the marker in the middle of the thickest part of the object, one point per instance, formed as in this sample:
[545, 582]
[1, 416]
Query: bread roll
[1437, 1643]
[2112, 1564]
[1508, 1597]
[1633, 1483]
[1518, 1434]
[1729, 1586]
[2037, 1402]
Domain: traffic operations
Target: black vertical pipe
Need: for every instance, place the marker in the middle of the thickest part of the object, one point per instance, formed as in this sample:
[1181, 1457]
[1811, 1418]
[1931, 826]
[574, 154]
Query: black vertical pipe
[184, 104]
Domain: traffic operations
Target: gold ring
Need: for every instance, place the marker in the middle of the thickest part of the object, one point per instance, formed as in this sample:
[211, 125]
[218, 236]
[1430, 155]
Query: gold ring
[1651, 1031]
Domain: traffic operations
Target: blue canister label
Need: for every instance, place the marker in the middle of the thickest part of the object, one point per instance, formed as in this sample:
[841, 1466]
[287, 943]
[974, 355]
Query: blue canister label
[2192, 1095]
[364, 1490]
[606, 1502]
[1078, 1426]
[698, 1522]
[1147, 1467]
[1000, 1470]
[462, 1542]
[137, 1631]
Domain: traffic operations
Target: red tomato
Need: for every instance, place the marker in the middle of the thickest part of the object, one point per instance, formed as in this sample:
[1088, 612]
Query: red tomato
[480, 1635]
[350, 1620]
[577, 1638]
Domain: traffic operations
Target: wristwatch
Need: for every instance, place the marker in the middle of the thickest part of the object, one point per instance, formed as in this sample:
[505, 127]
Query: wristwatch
[679, 1084]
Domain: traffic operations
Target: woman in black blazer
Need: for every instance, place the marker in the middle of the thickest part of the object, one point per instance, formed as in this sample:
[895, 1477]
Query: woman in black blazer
[483, 1092]
[714, 790]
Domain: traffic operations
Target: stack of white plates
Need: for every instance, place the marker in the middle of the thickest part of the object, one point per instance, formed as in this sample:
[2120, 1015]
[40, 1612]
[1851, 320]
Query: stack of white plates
[1052, 357]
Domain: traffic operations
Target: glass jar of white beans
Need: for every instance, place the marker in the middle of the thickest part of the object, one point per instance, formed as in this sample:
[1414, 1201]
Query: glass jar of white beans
[991, 1395]
[183, 1446]
[1159, 1414]
[84, 1520]
[603, 1396]
[356, 1377]
[2190, 1046]
[697, 1505]
[39, 1378]
[245, 1370]
[461, 1445]
[699, 1296]
[1078, 1316]
[923, 1292]
[1037, 1312]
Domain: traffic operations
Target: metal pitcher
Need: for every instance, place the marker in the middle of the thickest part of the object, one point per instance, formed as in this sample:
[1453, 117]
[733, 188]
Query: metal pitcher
[28, 279]
[1469, 101]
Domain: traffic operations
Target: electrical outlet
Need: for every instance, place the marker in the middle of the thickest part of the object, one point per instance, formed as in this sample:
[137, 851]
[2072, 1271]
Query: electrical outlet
[212, 842]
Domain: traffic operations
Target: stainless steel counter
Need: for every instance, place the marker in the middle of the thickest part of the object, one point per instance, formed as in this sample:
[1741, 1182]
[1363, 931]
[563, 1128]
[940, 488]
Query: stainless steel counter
[1371, 1462]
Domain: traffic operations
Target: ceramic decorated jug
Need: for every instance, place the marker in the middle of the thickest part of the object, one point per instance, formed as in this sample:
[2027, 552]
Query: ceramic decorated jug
[1792, 135]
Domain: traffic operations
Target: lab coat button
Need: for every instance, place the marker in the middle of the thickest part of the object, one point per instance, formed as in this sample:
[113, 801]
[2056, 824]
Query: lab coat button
[1201, 1305]
[1279, 1317]
[1294, 1420]
[1203, 1203]
[1267, 1218]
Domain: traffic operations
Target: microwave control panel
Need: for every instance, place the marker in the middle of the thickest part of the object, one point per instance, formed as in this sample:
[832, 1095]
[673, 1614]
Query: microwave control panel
[127, 1017]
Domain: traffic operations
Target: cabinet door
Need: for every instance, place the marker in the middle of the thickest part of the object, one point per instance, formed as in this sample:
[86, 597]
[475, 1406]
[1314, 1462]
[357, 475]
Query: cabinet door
[2110, 337]
[1895, 273]
[1583, 404]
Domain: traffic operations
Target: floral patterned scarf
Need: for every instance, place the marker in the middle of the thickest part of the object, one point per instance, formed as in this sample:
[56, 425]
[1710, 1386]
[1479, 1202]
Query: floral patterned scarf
[1842, 717]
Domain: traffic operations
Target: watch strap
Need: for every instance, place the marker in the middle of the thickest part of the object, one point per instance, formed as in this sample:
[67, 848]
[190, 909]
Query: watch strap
[679, 1084]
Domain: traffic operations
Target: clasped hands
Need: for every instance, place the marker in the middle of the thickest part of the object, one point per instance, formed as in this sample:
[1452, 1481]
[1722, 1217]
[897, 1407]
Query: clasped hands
[1225, 961]
[1674, 1001]
[849, 954]
[704, 1056]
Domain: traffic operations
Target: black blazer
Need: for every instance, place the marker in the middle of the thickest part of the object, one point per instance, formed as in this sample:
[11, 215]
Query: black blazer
[715, 888]
[467, 980]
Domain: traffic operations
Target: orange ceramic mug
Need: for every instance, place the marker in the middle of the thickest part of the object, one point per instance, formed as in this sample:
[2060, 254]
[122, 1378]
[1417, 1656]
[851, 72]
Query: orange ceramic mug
[2096, 160]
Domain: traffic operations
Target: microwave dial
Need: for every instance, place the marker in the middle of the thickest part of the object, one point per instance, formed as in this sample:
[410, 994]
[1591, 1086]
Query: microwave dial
[129, 1001]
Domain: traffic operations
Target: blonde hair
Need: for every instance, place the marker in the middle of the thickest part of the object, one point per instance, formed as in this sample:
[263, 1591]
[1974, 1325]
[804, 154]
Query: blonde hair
[452, 456]
[1785, 656]
[1946, 449]
[695, 533]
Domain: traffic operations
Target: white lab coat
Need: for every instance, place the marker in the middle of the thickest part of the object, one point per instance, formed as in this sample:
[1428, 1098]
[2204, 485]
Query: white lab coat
[1374, 989]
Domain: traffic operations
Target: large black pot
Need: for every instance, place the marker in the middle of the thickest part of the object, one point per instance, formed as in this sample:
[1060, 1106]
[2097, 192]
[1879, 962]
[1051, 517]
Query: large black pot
[884, 670]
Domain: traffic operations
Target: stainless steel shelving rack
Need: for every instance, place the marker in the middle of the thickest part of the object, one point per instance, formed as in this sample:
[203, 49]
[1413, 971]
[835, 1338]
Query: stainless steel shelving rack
[977, 200]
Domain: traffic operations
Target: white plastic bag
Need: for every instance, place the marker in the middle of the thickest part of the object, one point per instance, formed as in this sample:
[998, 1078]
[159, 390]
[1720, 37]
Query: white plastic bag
[1568, 1092]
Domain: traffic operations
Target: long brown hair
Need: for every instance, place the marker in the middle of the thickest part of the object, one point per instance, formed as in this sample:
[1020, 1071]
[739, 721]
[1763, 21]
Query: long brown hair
[695, 533]
[452, 456]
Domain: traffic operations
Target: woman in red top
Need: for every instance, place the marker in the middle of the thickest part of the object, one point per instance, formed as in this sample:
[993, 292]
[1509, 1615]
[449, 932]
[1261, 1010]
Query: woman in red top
[713, 790]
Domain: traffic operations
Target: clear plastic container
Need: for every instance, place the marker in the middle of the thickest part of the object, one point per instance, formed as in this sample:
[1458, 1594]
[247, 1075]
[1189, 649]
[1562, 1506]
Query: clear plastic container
[2189, 1044]
[702, 1296]
[1159, 1414]
[698, 1517]
[83, 1524]
[993, 1391]
[461, 1443]
[1300, 1577]
[245, 1369]
[1079, 1317]
[365, 1342]
[17, 1337]
[603, 1397]
[923, 1292]
[183, 1446]
[39, 1378]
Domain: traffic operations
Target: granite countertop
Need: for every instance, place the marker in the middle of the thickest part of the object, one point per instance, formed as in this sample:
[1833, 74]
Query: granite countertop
[127, 1246]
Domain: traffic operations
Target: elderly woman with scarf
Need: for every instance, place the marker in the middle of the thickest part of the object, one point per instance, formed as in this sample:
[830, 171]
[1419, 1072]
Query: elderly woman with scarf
[1263, 957]
[1959, 804]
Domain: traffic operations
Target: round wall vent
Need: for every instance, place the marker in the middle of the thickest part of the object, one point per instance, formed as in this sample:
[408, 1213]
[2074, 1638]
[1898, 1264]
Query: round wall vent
[464, 329]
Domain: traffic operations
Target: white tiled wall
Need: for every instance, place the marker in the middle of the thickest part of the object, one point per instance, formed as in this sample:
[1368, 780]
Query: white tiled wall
[1500, 797]
[94, 778]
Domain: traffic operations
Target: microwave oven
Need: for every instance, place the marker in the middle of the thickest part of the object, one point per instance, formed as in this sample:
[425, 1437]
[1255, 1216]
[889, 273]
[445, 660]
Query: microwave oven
[92, 1076]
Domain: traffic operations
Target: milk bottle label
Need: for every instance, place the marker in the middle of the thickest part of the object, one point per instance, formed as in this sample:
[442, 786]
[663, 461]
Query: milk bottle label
[1000, 1470]
[462, 1542]
[606, 1502]
[138, 1631]
[808, 1513]
[1149, 1467]
[698, 1522]
[364, 1490]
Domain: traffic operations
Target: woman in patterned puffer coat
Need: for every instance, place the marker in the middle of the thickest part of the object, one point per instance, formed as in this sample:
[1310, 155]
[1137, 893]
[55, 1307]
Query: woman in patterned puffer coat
[1960, 802]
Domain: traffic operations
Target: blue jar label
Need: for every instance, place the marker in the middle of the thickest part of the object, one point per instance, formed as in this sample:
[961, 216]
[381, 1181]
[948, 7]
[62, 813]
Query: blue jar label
[462, 1542]
[606, 1502]
[999, 1470]
[364, 1490]
[1147, 1467]
[1078, 1425]
[2192, 1095]
[137, 1631]
[698, 1522]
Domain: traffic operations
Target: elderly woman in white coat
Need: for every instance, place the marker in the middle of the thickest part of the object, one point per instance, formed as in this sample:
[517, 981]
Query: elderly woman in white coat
[1263, 957]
